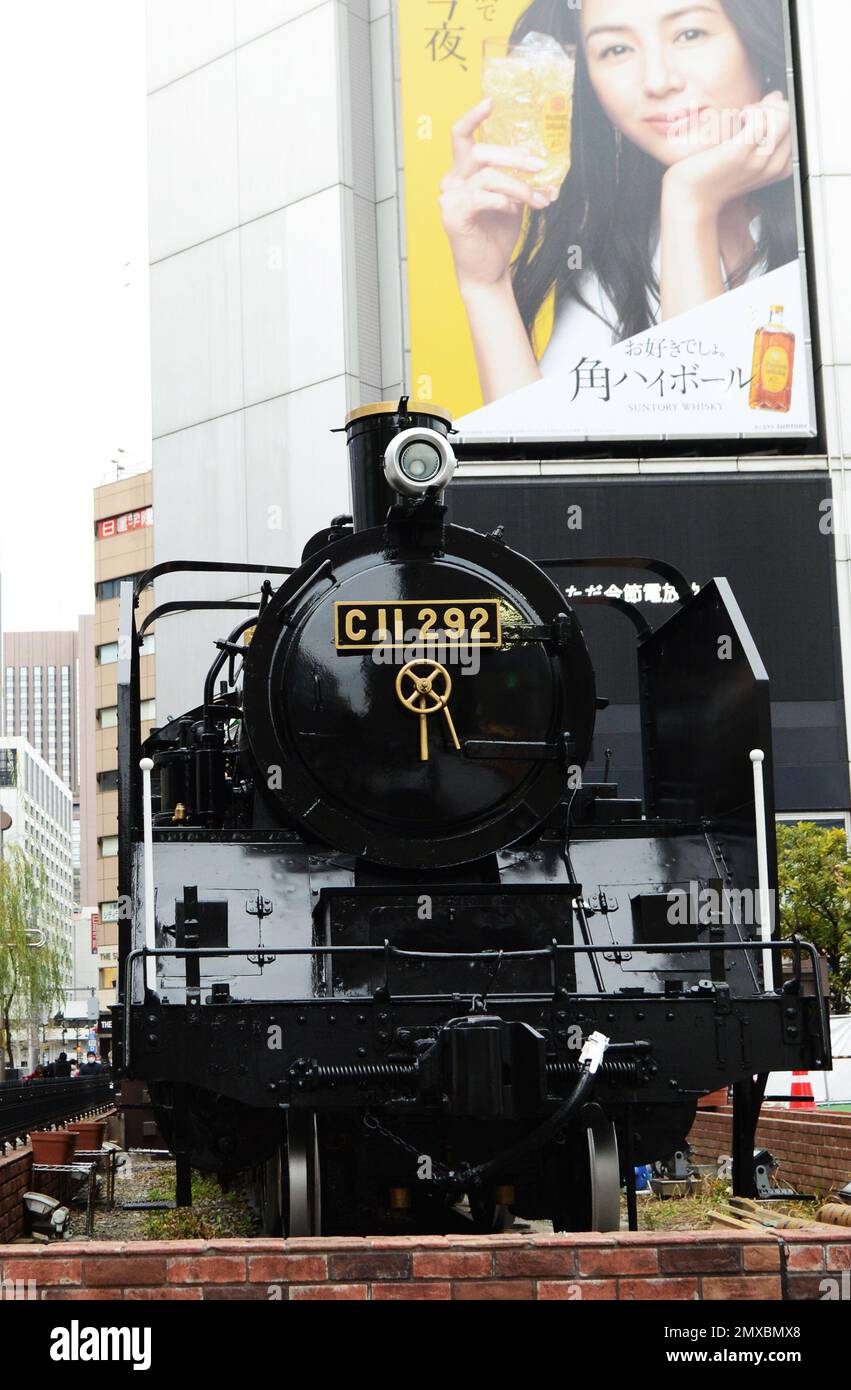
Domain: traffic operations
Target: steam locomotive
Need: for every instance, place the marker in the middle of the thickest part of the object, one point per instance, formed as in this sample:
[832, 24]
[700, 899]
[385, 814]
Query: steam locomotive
[388, 950]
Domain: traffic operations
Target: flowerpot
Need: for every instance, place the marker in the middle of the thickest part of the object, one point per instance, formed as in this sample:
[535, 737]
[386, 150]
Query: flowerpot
[52, 1146]
[90, 1133]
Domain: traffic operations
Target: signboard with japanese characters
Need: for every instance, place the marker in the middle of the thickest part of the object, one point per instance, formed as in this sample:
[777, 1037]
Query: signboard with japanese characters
[604, 214]
[772, 535]
[127, 521]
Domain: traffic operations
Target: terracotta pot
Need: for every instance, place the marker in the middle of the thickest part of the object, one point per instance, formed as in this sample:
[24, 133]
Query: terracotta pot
[52, 1146]
[89, 1133]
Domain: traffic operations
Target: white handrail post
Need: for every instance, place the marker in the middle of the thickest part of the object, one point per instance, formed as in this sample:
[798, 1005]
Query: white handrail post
[757, 759]
[147, 767]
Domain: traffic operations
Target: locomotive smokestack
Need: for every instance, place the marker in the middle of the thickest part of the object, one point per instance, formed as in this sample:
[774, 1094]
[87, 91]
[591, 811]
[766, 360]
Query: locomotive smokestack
[369, 431]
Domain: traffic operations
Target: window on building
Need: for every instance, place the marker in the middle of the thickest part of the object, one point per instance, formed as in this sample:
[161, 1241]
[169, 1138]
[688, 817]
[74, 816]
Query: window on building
[108, 846]
[51, 716]
[38, 708]
[8, 767]
[77, 715]
[147, 710]
[108, 716]
[65, 692]
[108, 651]
[10, 701]
[108, 780]
[23, 701]
[110, 588]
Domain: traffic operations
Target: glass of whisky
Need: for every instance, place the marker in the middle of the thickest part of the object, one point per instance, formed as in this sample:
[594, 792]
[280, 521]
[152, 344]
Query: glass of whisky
[531, 87]
[773, 365]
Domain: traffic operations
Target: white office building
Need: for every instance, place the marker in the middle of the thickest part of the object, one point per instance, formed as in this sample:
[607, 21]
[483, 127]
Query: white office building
[40, 805]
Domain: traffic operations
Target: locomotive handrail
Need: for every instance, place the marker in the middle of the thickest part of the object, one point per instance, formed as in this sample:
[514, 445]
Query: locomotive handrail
[793, 944]
[218, 663]
[629, 610]
[669, 573]
[635, 947]
[192, 606]
[203, 567]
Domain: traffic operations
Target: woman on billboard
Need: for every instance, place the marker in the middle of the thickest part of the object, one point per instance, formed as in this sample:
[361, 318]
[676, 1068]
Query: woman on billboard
[679, 190]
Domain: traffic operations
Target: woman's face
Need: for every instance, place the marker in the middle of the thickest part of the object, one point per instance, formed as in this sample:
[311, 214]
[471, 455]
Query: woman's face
[672, 77]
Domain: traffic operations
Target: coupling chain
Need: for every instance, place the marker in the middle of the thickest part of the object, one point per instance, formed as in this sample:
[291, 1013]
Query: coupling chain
[440, 1174]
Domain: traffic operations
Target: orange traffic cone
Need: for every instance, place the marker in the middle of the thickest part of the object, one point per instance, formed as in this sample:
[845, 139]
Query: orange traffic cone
[802, 1092]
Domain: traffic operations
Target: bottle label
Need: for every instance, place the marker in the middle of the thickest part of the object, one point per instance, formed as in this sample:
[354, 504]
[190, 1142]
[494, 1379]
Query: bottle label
[775, 370]
[556, 123]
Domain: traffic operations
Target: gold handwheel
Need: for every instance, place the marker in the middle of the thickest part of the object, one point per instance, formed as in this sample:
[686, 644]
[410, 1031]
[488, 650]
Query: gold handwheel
[424, 688]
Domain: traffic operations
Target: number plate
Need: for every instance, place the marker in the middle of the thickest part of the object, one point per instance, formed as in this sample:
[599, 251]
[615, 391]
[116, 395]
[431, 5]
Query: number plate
[414, 622]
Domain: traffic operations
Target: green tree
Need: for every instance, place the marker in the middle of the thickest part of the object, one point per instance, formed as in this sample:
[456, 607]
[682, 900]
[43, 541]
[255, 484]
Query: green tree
[814, 865]
[32, 962]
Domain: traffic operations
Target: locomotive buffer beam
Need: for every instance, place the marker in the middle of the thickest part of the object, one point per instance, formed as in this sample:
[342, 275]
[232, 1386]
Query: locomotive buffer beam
[481, 1067]
[313, 1076]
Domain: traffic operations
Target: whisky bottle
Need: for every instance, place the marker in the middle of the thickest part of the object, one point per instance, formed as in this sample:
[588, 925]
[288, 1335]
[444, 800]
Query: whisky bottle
[773, 365]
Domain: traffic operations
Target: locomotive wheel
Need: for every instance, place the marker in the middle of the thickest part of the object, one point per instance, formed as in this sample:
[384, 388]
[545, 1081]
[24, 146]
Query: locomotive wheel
[302, 1195]
[590, 1177]
[605, 1173]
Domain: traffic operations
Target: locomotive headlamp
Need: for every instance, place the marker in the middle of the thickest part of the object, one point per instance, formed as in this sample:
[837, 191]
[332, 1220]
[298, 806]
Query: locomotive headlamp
[419, 461]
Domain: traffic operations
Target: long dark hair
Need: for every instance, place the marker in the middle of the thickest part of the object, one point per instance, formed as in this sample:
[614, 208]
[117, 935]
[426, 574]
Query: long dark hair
[611, 199]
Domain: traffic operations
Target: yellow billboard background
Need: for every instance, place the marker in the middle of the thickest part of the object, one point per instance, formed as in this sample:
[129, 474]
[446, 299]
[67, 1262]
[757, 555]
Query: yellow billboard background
[440, 52]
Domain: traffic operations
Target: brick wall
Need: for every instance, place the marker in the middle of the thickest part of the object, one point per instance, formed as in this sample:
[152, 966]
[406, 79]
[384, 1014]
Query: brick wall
[706, 1265]
[14, 1182]
[813, 1147]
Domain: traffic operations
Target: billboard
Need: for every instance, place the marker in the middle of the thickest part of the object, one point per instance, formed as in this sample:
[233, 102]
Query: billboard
[769, 535]
[604, 220]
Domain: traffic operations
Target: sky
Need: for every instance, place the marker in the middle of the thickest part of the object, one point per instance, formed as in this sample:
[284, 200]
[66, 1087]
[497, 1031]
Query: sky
[74, 330]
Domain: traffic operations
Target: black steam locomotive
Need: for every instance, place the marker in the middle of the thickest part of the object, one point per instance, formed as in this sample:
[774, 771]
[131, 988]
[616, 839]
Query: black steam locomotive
[389, 950]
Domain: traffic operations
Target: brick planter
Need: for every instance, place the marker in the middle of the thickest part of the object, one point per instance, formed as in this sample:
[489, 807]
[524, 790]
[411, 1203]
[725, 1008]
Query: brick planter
[15, 1180]
[705, 1266]
[813, 1147]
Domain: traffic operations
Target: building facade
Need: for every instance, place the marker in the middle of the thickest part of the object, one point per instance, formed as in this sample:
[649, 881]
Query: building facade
[40, 805]
[86, 895]
[123, 539]
[279, 302]
[42, 698]
[48, 700]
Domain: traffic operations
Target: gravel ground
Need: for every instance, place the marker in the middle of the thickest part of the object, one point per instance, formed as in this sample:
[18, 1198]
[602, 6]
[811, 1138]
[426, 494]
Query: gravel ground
[132, 1184]
[223, 1214]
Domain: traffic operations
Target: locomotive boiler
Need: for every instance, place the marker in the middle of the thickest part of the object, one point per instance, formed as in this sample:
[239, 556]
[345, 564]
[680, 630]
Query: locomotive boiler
[388, 949]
